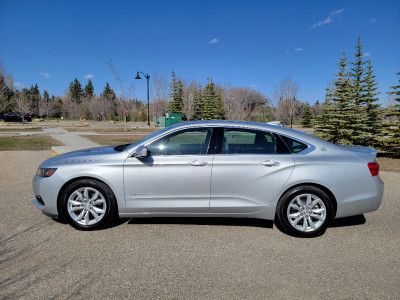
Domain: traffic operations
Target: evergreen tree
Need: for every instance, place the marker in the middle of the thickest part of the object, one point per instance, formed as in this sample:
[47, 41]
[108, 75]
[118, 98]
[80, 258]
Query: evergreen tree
[175, 104]
[359, 135]
[372, 125]
[307, 116]
[210, 107]
[75, 91]
[108, 93]
[89, 89]
[198, 113]
[337, 113]
[35, 97]
[392, 141]
[7, 100]
[213, 108]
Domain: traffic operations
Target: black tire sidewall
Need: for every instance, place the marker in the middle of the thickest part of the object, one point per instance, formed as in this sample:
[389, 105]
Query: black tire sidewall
[103, 189]
[281, 212]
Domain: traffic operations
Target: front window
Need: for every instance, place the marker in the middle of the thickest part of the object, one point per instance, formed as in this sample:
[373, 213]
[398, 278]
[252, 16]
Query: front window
[185, 142]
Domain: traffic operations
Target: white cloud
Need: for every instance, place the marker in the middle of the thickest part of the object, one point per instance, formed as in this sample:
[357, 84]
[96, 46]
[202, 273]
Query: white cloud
[19, 85]
[213, 41]
[299, 49]
[89, 76]
[45, 74]
[373, 20]
[253, 85]
[366, 54]
[336, 13]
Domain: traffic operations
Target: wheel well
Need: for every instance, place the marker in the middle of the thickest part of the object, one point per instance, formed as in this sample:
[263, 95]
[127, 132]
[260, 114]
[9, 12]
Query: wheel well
[325, 189]
[61, 192]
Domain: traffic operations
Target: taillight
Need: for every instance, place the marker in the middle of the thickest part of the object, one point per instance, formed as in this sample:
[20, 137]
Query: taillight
[373, 168]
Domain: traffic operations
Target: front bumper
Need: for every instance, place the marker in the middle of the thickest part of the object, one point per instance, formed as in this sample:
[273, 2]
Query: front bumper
[47, 188]
[41, 207]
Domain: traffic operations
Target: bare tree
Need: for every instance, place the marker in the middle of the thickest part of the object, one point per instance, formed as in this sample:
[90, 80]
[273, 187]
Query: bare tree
[98, 106]
[116, 74]
[23, 104]
[188, 98]
[242, 102]
[285, 95]
[159, 95]
[6, 82]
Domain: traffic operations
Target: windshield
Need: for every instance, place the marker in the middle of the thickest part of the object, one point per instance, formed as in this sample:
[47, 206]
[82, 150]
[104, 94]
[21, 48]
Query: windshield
[148, 137]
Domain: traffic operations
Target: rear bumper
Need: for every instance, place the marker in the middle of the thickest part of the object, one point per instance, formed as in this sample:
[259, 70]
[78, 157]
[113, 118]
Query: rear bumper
[362, 204]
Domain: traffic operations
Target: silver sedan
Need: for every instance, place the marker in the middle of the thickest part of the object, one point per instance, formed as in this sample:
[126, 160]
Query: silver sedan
[213, 169]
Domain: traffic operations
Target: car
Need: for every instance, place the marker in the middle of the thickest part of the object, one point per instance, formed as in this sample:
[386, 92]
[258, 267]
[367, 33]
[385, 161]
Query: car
[213, 169]
[15, 117]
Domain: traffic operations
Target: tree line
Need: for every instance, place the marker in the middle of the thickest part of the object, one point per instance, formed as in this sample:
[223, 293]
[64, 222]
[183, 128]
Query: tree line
[350, 112]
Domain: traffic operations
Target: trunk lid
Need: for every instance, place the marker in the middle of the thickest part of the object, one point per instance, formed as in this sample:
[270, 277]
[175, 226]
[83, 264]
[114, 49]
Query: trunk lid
[365, 153]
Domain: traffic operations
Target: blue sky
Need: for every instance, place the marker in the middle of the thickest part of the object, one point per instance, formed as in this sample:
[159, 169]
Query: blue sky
[242, 43]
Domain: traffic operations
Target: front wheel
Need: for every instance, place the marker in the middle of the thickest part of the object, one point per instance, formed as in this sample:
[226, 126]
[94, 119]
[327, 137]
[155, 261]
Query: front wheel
[304, 211]
[88, 204]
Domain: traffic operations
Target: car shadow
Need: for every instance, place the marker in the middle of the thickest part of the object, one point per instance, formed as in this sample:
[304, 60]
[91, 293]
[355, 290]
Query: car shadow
[204, 221]
[239, 222]
[348, 221]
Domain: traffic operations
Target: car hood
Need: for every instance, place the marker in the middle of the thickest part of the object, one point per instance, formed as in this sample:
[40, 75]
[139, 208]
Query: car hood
[92, 154]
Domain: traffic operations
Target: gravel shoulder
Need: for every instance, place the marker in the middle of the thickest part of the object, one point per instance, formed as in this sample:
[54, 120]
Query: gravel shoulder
[356, 258]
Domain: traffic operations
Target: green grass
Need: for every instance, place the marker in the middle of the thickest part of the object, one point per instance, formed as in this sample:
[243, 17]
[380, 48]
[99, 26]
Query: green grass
[11, 143]
[21, 129]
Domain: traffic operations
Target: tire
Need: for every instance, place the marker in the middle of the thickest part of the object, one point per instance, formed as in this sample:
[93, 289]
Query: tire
[304, 211]
[88, 204]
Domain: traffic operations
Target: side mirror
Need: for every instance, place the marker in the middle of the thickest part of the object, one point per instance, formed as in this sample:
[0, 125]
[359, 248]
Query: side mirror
[141, 152]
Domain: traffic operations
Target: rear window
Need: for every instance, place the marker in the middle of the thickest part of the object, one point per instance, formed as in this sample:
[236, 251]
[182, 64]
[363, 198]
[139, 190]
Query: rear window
[294, 146]
[247, 141]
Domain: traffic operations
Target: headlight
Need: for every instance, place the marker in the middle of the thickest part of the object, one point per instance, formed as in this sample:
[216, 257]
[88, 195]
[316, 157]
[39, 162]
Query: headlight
[45, 172]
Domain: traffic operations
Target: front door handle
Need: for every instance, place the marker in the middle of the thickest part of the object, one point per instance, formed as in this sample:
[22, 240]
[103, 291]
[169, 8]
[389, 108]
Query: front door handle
[270, 163]
[198, 163]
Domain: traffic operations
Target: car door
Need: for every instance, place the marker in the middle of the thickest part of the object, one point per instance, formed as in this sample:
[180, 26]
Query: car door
[250, 171]
[174, 178]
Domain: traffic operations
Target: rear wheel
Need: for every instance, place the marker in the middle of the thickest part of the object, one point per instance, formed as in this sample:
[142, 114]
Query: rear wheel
[88, 204]
[304, 211]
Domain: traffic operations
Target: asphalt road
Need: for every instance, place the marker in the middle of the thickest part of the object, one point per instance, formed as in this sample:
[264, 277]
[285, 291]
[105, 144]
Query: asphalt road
[190, 258]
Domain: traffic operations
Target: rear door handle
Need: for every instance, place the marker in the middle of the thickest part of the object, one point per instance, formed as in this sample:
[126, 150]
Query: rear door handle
[270, 163]
[198, 163]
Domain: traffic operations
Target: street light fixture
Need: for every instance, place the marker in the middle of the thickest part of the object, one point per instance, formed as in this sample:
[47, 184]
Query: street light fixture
[292, 112]
[148, 101]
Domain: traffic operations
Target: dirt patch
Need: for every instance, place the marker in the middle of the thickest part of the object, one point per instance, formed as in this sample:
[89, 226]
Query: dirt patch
[97, 129]
[389, 164]
[115, 139]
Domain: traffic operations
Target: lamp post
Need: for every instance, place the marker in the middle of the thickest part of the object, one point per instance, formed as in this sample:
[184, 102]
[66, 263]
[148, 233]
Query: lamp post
[292, 112]
[148, 101]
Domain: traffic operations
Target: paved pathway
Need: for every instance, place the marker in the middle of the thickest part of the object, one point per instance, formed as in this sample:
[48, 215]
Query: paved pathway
[72, 140]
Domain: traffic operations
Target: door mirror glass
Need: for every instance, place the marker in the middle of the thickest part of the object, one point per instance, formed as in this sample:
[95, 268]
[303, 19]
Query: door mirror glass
[140, 152]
